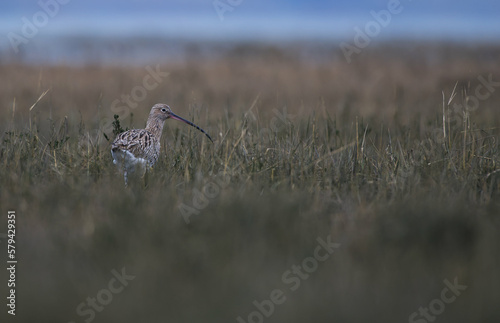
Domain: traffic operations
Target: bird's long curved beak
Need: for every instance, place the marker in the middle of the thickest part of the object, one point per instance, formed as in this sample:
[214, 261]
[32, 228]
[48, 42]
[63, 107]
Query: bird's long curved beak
[176, 117]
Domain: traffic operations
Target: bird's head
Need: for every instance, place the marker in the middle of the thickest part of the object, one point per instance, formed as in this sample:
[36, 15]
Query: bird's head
[163, 112]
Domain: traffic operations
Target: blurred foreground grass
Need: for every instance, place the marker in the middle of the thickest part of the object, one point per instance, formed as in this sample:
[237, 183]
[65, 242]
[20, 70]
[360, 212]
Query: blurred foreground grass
[357, 153]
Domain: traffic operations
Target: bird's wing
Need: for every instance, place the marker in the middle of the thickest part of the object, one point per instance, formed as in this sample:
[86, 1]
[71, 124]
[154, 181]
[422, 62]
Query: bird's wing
[135, 141]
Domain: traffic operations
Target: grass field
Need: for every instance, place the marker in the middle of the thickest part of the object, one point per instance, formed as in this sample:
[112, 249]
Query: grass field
[394, 158]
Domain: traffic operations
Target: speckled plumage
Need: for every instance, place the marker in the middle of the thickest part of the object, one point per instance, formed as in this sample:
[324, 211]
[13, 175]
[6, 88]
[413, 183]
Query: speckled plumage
[140, 148]
[140, 142]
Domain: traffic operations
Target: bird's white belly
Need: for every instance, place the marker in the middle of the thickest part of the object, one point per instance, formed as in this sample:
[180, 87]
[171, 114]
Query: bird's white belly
[126, 161]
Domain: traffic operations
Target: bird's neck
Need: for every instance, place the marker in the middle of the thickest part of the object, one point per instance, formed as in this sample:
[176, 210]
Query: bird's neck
[155, 126]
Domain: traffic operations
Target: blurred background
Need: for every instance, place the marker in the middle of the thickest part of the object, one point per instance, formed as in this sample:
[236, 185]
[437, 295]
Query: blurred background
[97, 31]
[374, 123]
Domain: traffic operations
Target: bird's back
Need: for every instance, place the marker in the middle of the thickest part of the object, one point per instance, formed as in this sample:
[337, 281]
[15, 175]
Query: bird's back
[139, 143]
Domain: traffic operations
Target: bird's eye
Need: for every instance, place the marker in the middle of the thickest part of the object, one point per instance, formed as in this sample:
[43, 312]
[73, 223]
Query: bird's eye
[163, 110]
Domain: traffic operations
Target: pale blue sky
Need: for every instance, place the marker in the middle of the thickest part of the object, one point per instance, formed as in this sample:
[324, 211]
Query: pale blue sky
[259, 19]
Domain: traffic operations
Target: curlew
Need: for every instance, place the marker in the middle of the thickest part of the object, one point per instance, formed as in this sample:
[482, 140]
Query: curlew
[138, 149]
